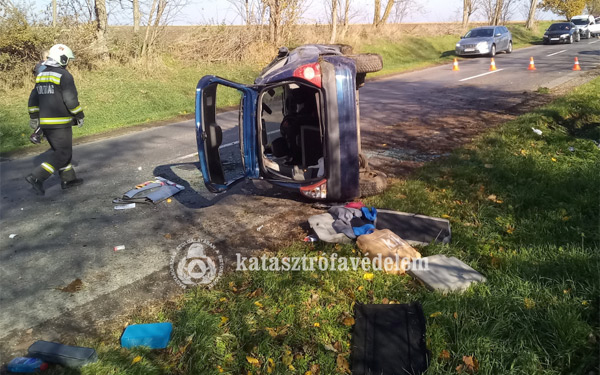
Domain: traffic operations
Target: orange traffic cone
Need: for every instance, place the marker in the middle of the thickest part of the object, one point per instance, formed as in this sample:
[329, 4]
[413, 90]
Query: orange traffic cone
[531, 64]
[492, 65]
[576, 65]
[455, 66]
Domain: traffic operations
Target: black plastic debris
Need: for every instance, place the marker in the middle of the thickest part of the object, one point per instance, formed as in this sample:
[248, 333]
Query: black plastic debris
[389, 340]
[413, 228]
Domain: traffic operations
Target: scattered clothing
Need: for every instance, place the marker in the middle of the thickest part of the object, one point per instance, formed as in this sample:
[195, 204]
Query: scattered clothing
[323, 226]
[347, 219]
[357, 205]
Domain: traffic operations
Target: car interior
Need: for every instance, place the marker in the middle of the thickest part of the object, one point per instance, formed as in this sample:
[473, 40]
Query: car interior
[292, 132]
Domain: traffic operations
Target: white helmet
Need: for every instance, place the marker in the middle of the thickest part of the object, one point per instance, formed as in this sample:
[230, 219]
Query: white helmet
[61, 54]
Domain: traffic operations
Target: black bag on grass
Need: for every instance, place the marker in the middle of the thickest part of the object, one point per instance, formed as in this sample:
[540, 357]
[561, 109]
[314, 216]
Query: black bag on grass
[389, 340]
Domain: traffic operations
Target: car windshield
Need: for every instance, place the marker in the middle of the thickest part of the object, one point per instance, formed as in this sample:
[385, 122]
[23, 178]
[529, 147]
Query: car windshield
[480, 33]
[580, 21]
[559, 26]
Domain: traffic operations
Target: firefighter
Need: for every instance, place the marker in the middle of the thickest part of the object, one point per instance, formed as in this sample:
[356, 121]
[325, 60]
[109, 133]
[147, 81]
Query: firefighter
[53, 106]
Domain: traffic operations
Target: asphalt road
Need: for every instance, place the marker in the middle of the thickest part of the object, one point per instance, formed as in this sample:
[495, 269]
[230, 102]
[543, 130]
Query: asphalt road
[69, 235]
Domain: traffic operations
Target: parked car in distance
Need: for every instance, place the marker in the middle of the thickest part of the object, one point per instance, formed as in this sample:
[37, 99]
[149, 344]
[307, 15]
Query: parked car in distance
[561, 32]
[297, 127]
[587, 26]
[486, 40]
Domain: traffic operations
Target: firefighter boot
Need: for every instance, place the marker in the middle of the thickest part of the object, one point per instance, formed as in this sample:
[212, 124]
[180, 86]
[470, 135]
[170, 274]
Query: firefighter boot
[68, 178]
[38, 185]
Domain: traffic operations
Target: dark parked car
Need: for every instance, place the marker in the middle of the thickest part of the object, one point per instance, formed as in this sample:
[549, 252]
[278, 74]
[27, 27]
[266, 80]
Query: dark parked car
[562, 32]
[485, 40]
[297, 127]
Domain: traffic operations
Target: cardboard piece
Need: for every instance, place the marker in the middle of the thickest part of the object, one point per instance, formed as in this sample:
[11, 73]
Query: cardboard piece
[387, 244]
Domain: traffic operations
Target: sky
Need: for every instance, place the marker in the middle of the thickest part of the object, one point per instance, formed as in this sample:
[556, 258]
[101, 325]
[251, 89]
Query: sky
[426, 11]
[198, 12]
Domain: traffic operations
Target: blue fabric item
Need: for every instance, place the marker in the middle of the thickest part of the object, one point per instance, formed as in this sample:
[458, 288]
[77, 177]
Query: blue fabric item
[153, 335]
[369, 214]
[365, 229]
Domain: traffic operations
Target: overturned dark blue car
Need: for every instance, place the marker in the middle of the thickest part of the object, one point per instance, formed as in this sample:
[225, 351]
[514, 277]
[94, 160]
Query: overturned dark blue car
[297, 125]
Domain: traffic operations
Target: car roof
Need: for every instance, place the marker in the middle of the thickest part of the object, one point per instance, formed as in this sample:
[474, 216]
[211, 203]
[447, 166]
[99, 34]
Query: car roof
[561, 23]
[484, 27]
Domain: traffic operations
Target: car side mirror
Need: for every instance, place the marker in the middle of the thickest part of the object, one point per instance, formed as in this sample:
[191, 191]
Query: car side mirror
[462, 37]
[499, 34]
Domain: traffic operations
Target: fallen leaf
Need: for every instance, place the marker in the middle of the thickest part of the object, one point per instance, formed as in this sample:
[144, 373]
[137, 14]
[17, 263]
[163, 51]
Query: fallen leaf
[444, 355]
[257, 293]
[492, 197]
[270, 365]
[168, 236]
[136, 359]
[529, 303]
[272, 332]
[360, 288]
[565, 218]
[471, 364]
[348, 321]
[258, 304]
[292, 368]
[224, 319]
[455, 315]
[368, 276]
[220, 368]
[338, 346]
[252, 361]
[315, 369]
[287, 358]
[75, 286]
[316, 324]
[435, 314]
[446, 216]
[488, 166]
[385, 301]
[330, 348]
[342, 364]
[553, 159]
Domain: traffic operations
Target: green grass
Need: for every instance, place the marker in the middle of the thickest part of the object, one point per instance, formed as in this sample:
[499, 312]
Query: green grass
[524, 212]
[119, 96]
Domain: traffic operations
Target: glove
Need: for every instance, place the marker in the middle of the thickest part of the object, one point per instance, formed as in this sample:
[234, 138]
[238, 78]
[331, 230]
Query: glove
[79, 122]
[34, 123]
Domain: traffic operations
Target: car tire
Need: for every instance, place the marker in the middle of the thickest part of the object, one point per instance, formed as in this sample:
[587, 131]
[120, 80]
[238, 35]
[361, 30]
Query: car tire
[509, 50]
[588, 35]
[570, 41]
[367, 62]
[493, 51]
[578, 37]
[371, 182]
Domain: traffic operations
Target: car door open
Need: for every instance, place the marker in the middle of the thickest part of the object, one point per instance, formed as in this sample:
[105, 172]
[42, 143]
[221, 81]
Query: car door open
[226, 140]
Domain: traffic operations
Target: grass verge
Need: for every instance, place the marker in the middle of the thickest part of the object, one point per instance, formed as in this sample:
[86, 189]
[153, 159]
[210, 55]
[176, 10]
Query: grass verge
[119, 96]
[524, 212]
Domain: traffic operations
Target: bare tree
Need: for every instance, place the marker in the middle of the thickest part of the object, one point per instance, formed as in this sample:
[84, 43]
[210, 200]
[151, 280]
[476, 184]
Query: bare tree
[469, 7]
[282, 15]
[378, 19]
[53, 13]
[136, 16]
[531, 16]
[497, 14]
[101, 26]
[162, 12]
[334, 20]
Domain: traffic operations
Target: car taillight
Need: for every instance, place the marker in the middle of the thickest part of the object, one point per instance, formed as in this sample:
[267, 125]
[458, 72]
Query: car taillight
[316, 191]
[309, 72]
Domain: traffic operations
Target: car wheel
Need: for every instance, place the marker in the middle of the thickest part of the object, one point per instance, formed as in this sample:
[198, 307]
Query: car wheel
[509, 50]
[367, 62]
[545, 42]
[570, 39]
[588, 35]
[371, 182]
[578, 38]
[493, 51]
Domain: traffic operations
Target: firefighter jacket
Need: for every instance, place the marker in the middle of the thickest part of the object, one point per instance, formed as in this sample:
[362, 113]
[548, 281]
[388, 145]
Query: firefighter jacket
[54, 98]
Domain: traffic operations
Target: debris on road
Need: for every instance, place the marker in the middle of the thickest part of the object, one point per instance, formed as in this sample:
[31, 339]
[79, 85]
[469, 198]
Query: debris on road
[65, 355]
[153, 191]
[120, 247]
[536, 131]
[125, 206]
[152, 335]
[259, 228]
[12, 235]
